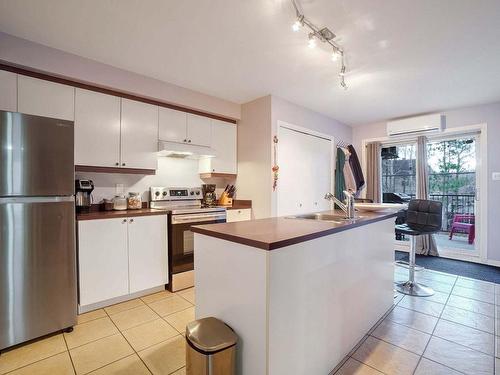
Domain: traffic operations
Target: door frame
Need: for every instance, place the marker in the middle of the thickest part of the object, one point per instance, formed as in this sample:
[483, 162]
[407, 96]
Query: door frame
[481, 170]
[282, 124]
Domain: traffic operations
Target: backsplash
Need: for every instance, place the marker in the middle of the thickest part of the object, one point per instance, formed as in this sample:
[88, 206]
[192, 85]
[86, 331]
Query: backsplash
[171, 172]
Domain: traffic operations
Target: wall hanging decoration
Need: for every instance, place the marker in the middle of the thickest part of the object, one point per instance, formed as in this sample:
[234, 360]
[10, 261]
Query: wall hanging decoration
[275, 168]
[324, 35]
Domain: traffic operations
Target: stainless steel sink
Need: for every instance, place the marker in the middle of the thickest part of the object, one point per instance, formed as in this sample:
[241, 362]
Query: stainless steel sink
[323, 217]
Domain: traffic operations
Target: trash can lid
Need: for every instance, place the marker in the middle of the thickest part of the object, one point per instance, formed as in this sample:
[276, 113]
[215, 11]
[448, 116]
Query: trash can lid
[210, 335]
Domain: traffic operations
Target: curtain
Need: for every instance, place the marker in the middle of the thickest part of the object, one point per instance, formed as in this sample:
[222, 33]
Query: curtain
[373, 171]
[426, 244]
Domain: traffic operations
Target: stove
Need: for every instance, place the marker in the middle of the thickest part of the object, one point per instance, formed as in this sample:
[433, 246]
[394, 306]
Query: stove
[184, 206]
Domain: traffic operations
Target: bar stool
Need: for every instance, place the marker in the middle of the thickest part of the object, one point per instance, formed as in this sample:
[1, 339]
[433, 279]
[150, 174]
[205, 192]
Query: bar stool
[422, 217]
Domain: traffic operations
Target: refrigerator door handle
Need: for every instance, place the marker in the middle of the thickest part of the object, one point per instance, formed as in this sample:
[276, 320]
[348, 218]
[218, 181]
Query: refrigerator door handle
[5, 200]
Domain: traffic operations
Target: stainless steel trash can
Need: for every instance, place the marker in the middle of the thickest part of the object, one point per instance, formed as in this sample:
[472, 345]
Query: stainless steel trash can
[211, 348]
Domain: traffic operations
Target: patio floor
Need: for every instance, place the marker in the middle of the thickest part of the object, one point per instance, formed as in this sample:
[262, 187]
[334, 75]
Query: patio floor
[459, 242]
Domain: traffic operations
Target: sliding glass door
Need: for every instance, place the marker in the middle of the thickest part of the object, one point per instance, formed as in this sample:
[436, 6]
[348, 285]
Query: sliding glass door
[453, 181]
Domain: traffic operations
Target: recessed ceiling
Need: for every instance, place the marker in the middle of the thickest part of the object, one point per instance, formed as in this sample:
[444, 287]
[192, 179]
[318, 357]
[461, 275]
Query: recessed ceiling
[403, 56]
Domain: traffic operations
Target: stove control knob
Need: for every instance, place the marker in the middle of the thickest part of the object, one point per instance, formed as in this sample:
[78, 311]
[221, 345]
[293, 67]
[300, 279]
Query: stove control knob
[197, 192]
[164, 193]
[192, 193]
[157, 193]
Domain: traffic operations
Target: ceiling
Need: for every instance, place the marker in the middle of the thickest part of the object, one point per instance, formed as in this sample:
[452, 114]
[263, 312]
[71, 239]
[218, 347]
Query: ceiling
[403, 56]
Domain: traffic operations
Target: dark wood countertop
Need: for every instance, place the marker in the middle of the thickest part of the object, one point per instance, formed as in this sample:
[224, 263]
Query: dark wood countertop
[274, 233]
[95, 215]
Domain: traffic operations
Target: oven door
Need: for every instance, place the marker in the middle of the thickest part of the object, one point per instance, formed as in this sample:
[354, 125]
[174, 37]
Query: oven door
[181, 247]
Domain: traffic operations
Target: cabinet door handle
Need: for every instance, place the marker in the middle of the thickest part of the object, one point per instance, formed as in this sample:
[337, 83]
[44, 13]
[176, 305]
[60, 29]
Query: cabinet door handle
[131, 220]
[124, 221]
[117, 163]
[213, 170]
[185, 140]
[189, 141]
[123, 164]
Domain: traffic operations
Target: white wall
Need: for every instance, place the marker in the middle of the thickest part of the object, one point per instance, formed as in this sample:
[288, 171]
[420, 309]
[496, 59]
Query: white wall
[21, 52]
[489, 114]
[258, 125]
[254, 159]
[283, 110]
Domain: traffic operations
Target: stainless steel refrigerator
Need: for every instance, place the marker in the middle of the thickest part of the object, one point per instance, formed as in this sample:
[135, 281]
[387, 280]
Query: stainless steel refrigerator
[38, 293]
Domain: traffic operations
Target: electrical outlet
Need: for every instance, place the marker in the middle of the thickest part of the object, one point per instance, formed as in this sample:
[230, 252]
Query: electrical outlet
[495, 176]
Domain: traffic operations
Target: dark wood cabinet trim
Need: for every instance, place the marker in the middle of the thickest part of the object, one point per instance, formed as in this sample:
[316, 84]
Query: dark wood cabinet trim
[86, 86]
[96, 169]
[219, 175]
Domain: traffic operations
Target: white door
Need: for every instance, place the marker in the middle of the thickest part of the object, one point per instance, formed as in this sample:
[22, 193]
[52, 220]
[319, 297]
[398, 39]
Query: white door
[172, 125]
[102, 260]
[199, 130]
[44, 98]
[147, 241]
[305, 172]
[97, 129]
[224, 143]
[139, 135]
[8, 91]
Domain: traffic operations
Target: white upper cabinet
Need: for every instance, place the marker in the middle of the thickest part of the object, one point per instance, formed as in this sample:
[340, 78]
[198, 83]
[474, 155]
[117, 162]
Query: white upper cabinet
[199, 130]
[8, 91]
[97, 129]
[172, 125]
[44, 98]
[147, 251]
[139, 135]
[182, 127]
[224, 143]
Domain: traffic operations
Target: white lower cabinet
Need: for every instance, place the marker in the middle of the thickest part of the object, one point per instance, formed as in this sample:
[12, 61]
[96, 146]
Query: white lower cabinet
[102, 260]
[117, 257]
[147, 252]
[239, 215]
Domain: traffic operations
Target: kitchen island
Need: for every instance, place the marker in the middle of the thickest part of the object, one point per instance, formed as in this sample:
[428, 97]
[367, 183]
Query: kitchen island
[299, 293]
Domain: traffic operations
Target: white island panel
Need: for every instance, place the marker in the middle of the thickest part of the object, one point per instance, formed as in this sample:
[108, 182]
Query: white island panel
[231, 285]
[325, 295]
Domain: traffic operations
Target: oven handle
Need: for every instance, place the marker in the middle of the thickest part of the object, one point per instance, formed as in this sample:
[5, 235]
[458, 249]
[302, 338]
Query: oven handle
[196, 219]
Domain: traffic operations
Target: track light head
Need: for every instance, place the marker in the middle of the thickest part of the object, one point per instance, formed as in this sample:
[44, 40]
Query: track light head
[312, 41]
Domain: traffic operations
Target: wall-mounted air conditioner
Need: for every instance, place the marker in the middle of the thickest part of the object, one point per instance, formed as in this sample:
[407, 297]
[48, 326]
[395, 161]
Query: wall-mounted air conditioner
[416, 125]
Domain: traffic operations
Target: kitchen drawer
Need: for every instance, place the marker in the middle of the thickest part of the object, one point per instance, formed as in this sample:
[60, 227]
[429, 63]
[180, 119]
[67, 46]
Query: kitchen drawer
[239, 215]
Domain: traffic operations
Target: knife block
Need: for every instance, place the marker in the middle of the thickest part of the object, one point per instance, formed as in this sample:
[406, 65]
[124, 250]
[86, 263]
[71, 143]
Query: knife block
[224, 200]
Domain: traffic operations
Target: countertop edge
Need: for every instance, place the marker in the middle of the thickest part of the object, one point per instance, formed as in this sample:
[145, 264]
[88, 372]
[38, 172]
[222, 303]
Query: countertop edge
[293, 240]
[104, 215]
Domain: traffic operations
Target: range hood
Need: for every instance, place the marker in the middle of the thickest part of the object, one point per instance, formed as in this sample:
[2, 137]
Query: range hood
[184, 151]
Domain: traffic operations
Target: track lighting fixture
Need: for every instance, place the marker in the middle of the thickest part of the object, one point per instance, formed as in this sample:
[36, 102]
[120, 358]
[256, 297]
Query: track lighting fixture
[325, 35]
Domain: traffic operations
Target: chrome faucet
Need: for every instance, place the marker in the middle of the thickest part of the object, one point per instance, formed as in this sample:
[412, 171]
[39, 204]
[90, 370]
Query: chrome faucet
[347, 206]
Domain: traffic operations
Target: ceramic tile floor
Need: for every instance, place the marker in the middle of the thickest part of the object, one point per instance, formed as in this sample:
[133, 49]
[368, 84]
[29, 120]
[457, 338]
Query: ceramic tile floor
[141, 336]
[453, 332]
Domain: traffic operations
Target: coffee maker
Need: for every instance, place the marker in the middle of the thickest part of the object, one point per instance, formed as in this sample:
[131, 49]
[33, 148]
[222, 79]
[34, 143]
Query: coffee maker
[83, 195]
[209, 198]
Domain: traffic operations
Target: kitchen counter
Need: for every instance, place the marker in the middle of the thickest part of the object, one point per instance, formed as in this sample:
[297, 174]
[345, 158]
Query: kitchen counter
[301, 307]
[277, 232]
[95, 215]
[240, 204]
